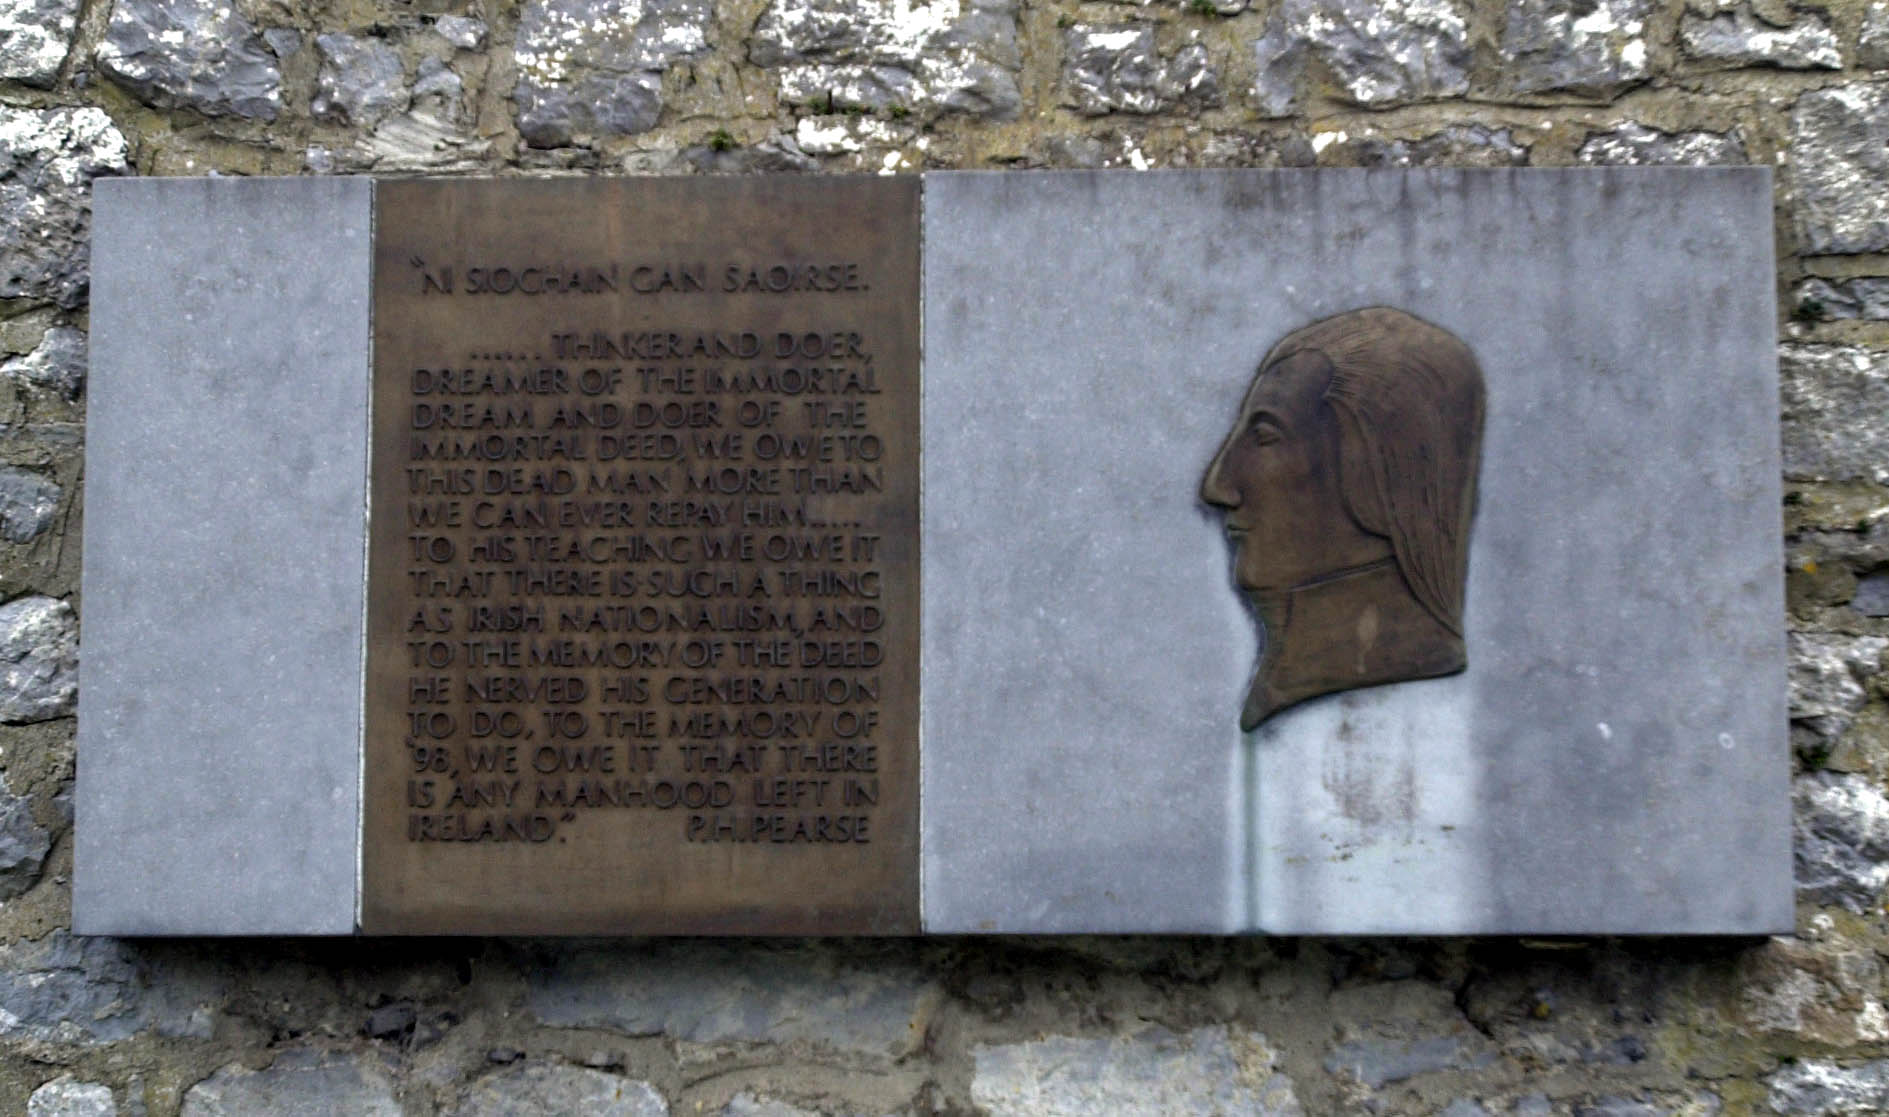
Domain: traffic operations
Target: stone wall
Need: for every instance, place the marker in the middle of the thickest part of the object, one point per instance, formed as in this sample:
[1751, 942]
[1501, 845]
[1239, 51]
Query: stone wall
[1463, 1028]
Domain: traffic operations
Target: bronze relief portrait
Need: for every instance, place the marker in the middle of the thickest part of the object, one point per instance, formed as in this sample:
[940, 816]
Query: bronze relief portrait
[1348, 484]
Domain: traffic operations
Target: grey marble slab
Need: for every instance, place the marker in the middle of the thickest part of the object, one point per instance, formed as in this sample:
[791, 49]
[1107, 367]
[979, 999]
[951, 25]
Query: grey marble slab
[1615, 757]
[225, 535]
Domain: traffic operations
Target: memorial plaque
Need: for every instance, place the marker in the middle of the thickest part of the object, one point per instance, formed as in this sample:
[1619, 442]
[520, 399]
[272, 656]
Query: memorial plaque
[643, 559]
[1299, 555]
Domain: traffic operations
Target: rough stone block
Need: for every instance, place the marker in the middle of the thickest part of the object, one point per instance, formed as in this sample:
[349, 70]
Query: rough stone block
[1115, 68]
[193, 54]
[1379, 53]
[58, 364]
[39, 650]
[1842, 840]
[1207, 1070]
[23, 845]
[66, 1096]
[1821, 1088]
[361, 82]
[1565, 44]
[591, 68]
[1833, 401]
[1872, 40]
[1635, 144]
[48, 159]
[77, 991]
[28, 504]
[34, 38]
[704, 993]
[1839, 152]
[303, 1082]
[929, 57]
[549, 1089]
[1862, 297]
[220, 719]
[1743, 38]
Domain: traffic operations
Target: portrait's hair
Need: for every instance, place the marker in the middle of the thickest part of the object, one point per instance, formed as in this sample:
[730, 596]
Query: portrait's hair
[1409, 401]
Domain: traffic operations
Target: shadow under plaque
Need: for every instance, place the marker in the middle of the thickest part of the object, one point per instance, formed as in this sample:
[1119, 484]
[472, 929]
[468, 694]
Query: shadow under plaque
[643, 572]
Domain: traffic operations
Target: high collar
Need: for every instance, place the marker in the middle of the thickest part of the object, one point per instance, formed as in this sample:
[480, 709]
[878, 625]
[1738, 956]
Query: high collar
[1352, 628]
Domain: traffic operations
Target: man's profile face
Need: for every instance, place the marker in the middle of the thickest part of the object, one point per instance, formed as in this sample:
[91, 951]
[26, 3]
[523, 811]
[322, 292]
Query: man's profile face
[1276, 476]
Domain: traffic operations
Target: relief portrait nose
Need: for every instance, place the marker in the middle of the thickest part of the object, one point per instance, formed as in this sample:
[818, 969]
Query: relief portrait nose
[1214, 488]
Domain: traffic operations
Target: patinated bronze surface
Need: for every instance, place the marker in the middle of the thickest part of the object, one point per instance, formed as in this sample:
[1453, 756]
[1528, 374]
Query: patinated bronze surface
[643, 631]
[1348, 483]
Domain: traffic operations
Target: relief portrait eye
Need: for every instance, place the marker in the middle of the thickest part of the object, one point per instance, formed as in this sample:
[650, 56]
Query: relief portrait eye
[1351, 536]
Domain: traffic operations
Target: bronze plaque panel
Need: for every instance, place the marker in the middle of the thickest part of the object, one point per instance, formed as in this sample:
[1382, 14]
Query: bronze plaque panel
[643, 584]
[1372, 421]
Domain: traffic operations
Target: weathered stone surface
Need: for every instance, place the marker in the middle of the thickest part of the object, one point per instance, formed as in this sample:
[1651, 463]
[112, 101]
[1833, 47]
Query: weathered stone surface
[1278, 68]
[66, 1096]
[1702, 1103]
[1872, 39]
[463, 32]
[1741, 37]
[57, 364]
[192, 54]
[1835, 400]
[1828, 676]
[932, 56]
[1872, 595]
[1207, 1070]
[28, 504]
[361, 82]
[1459, 145]
[1825, 989]
[392, 1021]
[1842, 842]
[23, 846]
[779, 154]
[1594, 46]
[439, 83]
[71, 990]
[1822, 1088]
[1544, 1019]
[748, 1105]
[1862, 297]
[426, 138]
[434, 133]
[48, 158]
[1839, 157]
[1228, 149]
[39, 660]
[1635, 144]
[704, 993]
[1380, 53]
[1619, 1107]
[34, 38]
[589, 68]
[300, 1083]
[286, 42]
[1379, 1062]
[548, 1089]
[1115, 68]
